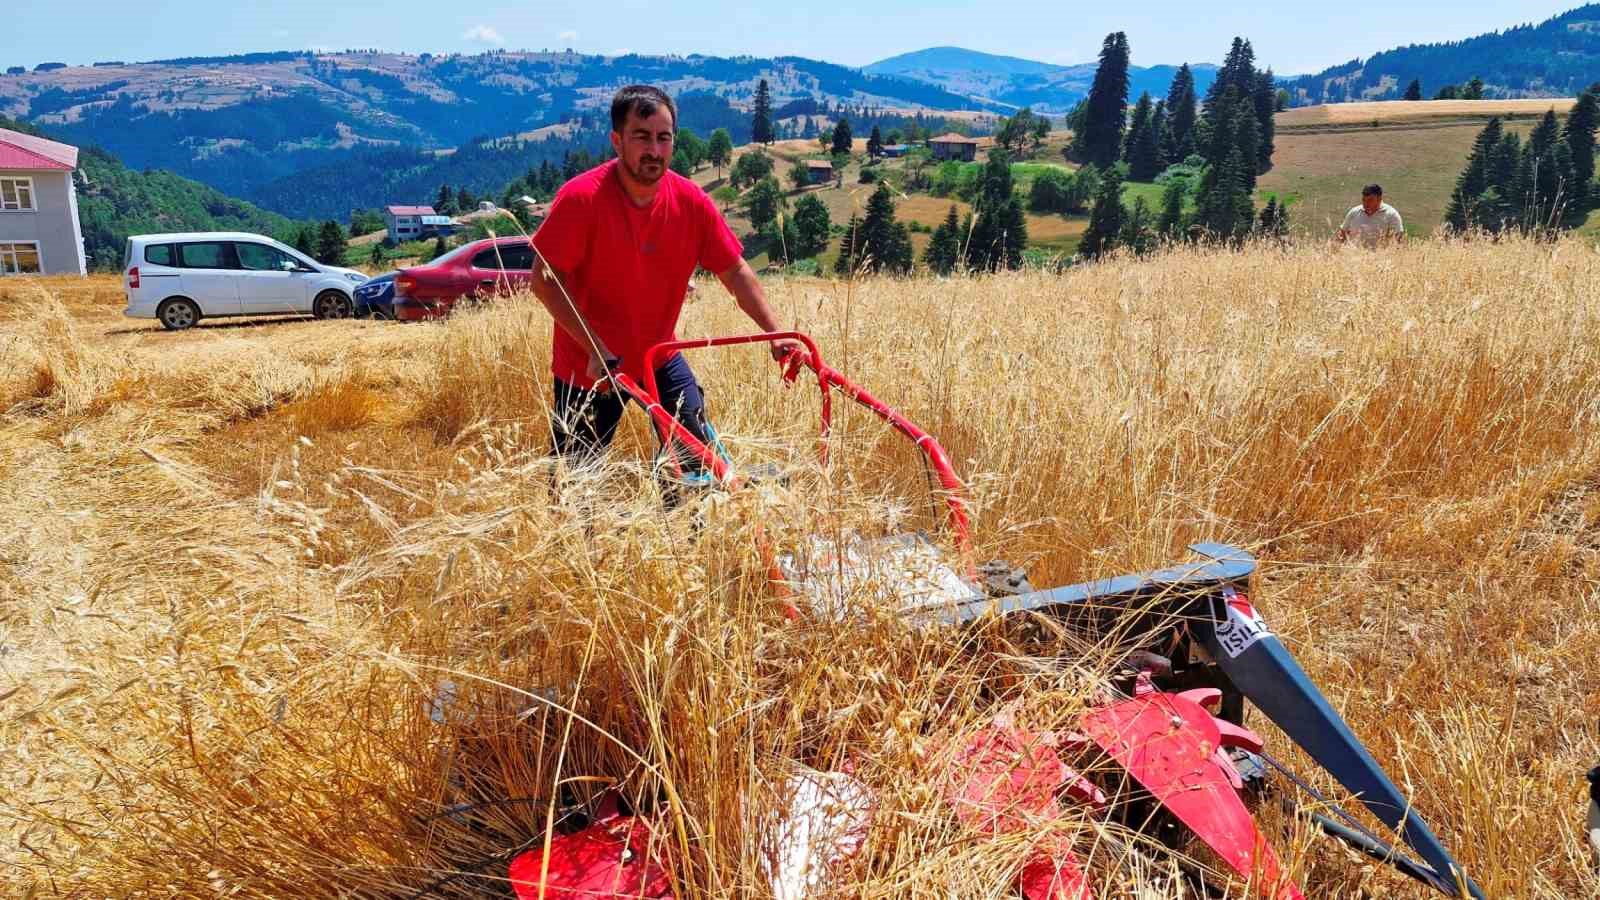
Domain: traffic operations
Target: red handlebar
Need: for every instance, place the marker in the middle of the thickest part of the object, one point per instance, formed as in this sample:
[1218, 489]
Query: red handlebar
[668, 427]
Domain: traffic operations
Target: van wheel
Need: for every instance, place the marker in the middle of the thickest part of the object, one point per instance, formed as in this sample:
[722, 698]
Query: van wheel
[331, 305]
[178, 313]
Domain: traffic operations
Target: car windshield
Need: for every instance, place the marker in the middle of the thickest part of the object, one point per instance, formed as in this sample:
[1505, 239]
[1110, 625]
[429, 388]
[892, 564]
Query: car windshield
[293, 254]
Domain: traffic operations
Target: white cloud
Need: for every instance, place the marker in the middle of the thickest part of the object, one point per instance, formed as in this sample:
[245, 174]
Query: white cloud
[567, 37]
[483, 34]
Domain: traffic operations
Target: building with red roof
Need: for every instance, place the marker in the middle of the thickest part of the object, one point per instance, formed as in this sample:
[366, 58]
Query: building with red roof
[39, 230]
[411, 223]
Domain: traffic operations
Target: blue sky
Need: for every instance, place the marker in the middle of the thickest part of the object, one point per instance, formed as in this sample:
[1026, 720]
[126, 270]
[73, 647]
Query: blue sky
[1290, 37]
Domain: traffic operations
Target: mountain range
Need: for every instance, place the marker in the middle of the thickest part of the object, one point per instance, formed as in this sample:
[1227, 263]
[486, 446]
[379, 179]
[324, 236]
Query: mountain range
[243, 122]
[1017, 82]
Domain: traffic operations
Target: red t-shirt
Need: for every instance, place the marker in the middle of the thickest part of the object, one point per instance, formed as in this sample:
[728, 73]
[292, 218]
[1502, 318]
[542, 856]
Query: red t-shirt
[627, 268]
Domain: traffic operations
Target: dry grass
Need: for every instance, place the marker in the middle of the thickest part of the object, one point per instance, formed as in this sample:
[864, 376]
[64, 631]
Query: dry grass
[1404, 111]
[237, 565]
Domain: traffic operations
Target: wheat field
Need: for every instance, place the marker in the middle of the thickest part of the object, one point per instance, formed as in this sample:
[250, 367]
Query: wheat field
[1388, 111]
[302, 609]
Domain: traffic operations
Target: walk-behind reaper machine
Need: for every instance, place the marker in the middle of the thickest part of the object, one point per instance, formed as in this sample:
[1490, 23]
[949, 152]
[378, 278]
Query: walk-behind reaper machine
[1173, 726]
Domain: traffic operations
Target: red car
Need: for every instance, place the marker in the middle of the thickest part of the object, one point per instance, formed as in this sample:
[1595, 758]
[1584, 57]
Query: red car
[477, 270]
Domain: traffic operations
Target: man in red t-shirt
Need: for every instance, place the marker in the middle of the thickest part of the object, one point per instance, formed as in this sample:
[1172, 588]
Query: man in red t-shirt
[622, 241]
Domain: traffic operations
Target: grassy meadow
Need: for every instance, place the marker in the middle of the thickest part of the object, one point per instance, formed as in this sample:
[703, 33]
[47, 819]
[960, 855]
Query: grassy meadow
[302, 609]
[1324, 155]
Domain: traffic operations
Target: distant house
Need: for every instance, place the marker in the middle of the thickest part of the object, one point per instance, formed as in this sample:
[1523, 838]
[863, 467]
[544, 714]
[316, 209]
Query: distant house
[39, 231]
[531, 209]
[954, 146]
[414, 223]
[819, 171]
[894, 151]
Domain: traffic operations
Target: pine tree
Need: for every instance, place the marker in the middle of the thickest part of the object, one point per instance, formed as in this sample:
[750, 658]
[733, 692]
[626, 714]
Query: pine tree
[1414, 90]
[1181, 115]
[1266, 101]
[1247, 138]
[330, 244]
[1107, 219]
[1138, 232]
[1503, 162]
[846, 262]
[375, 258]
[1579, 135]
[719, 149]
[1158, 127]
[898, 254]
[305, 240]
[872, 242]
[1237, 73]
[1543, 136]
[1463, 211]
[999, 229]
[1170, 223]
[761, 115]
[1268, 223]
[1549, 163]
[1013, 235]
[940, 257]
[1140, 149]
[1517, 198]
[842, 140]
[1100, 142]
[1473, 90]
[1223, 205]
[874, 143]
[445, 203]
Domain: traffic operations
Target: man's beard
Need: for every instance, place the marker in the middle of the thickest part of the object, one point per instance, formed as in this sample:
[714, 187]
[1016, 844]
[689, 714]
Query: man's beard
[644, 173]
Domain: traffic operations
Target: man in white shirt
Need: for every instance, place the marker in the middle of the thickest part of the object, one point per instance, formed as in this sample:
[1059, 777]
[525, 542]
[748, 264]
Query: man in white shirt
[1374, 222]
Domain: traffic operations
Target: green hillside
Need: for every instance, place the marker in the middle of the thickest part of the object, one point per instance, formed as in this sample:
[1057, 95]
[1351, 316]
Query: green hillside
[1555, 58]
[115, 201]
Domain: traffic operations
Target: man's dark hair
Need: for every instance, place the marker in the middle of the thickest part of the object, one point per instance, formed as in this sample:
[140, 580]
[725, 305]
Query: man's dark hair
[1371, 190]
[643, 100]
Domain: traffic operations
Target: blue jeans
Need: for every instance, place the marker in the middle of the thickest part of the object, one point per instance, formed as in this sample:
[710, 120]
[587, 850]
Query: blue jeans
[583, 421]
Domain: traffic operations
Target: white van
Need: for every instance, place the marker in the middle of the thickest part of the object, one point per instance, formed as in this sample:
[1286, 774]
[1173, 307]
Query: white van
[182, 278]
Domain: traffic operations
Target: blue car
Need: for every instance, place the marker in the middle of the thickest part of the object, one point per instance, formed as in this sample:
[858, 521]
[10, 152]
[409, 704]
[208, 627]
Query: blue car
[374, 298]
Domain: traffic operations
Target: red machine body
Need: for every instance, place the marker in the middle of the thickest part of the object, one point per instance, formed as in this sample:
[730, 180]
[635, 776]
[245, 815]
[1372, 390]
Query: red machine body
[1004, 780]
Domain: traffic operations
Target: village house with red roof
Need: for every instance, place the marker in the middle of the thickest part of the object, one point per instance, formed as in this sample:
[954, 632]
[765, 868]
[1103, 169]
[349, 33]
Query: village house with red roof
[39, 230]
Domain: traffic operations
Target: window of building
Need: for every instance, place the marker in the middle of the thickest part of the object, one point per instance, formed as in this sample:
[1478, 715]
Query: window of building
[16, 195]
[19, 258]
